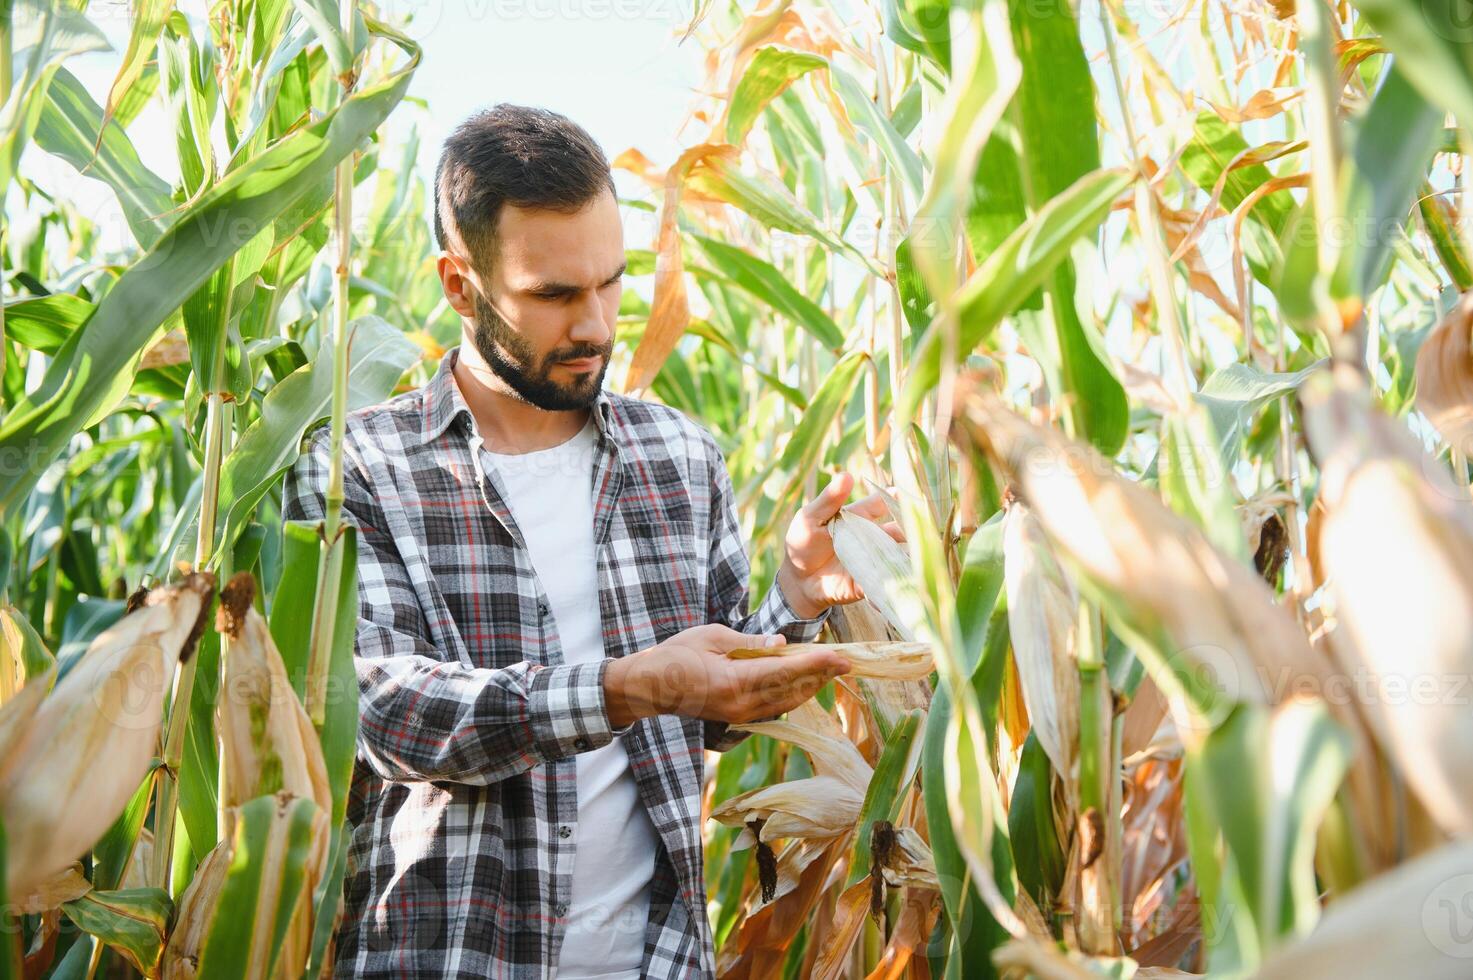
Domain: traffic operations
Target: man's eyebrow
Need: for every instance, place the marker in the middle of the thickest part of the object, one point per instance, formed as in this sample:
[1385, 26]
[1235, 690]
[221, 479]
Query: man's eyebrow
[550, 287]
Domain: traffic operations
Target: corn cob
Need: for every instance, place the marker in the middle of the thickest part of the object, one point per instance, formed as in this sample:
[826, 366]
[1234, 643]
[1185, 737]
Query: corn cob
[269, 742]
[88, 743]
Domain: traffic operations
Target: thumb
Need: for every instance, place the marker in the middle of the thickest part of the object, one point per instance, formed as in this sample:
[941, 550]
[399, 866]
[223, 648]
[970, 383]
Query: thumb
[827, 504]
[723, 640]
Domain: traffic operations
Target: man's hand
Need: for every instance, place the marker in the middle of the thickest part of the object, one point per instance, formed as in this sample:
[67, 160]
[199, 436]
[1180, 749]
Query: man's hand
[690, 674]
[811, 576]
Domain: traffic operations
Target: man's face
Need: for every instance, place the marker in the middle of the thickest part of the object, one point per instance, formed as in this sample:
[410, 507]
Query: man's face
[558, 278]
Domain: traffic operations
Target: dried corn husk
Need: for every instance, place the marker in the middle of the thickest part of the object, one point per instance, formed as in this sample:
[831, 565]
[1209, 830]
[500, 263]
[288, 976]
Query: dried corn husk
[90, 740]
[195, 913]
[882, 661]
[268, 738]
[760, 943]
[824, 805]
[850, 912]
[862, 622]
[172, 348]
[881, 567]
[1218, 636]
[1397, 548]
[1043, 960]
[1445, 377]
[135, 875]
[859, 622]
[1268, 538]
[909, 860]
[1043, 614]
[16, 717]
[51, 893]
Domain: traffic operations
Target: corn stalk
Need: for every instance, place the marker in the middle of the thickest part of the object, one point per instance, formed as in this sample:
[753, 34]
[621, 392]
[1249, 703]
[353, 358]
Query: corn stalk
[330, 571]
[217, 413]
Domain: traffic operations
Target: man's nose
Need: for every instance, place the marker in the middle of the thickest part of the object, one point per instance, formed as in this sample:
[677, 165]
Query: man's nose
[589, 326]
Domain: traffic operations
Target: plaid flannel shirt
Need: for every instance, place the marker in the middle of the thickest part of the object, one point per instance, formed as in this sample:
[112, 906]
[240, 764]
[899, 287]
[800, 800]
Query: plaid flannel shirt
[464, 793]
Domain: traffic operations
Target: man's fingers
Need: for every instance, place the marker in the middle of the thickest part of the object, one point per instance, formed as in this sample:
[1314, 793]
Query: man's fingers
[816, 662]
[781, 684]
[723, 639]
[827, 503]
[825, 667]
[873, 507]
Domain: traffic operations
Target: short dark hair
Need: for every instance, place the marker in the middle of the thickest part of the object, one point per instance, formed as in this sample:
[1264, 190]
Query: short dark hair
[512, 154]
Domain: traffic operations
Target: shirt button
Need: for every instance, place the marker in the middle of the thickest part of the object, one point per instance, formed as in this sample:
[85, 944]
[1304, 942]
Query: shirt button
[562, 909]
[565, 831]
[580, 742]
[541, 610]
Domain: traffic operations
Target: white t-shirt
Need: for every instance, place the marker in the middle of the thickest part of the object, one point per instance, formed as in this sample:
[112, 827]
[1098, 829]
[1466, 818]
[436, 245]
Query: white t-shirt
[550, 493]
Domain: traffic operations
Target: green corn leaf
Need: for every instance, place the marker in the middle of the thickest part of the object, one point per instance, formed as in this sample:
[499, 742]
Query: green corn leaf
[771, 70]
[1233, 394]
[273, 836]
[378, 356]
[110, 855]
[71, 127]
[1036, 850]
[1215, 144]
[11, 959]
[202, 239]
[44, 323]
[767, 283]
[922, 26]
[974, 106]
[976, 932]
[189, 80]
[22, 644]
[1056, 123]
[43, 34]
[133, 921]
[877, 126]
[1393, 147]
[291, 628]
[200, 769]
[148, 23]
[1014, 270]
[1438, 220]
[325, 16]
[326, 899]
[801, 455]
[978, 590]
[915, 297]
[768, 201]
[887, 789]
[1433, 42]
[1268, 815]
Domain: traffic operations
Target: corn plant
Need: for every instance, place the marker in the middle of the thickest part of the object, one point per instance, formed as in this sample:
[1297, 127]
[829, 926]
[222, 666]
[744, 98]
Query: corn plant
[1150, 324]
[168, 757]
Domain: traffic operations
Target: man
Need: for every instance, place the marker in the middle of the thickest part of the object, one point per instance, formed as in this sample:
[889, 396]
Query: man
[549, 578]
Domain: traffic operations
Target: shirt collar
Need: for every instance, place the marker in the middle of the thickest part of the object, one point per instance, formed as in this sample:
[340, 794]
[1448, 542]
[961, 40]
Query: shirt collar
[443, 403]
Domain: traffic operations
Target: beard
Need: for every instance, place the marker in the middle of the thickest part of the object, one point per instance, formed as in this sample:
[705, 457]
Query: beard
[515, 362]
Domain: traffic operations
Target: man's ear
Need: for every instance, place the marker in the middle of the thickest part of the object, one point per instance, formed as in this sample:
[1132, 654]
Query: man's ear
[455, 284]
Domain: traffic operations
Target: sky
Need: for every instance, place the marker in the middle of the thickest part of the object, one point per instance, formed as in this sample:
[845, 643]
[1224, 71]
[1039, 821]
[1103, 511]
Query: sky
[612, 66]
